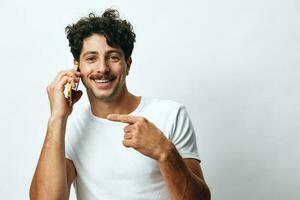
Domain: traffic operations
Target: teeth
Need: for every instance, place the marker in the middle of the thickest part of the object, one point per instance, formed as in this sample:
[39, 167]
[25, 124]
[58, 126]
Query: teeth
[101, 81]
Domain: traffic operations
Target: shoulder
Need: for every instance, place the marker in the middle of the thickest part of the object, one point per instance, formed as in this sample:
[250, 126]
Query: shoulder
[77, 121]
[80, 115]
[162, 111]
[163, 105]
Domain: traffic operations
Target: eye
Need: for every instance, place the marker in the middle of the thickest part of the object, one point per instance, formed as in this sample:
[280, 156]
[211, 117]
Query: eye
[114, 58]
[90, 59]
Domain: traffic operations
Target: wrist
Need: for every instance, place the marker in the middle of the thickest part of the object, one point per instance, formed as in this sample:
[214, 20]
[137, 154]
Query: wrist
[57, 118]
[167, 151]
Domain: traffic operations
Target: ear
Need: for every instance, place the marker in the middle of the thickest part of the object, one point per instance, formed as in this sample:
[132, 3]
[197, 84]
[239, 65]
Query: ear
[76, 64]
[129, 61]
[75, 61]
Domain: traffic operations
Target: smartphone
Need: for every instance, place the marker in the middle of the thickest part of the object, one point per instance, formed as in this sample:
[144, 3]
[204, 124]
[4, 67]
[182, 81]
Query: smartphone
[71, 91]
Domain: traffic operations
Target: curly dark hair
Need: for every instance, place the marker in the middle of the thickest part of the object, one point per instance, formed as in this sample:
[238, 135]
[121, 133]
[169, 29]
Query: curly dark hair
[118, 33]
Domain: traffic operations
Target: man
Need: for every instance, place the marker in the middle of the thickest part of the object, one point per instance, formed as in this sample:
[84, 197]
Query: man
[122, 146]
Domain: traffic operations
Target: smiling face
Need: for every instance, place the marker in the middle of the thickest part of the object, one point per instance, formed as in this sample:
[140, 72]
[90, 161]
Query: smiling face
[103, 69]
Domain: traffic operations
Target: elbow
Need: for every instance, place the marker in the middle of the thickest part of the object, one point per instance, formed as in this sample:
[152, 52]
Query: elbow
[32, 191]
[41, 192]
[201, 192]
[205, 192]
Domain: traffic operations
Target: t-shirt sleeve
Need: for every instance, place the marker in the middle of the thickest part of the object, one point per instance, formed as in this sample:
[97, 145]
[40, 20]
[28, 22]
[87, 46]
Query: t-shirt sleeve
[68, 140]
[183, 135]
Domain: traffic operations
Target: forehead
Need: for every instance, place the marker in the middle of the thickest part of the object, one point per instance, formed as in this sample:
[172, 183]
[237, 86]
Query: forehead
[98, 43]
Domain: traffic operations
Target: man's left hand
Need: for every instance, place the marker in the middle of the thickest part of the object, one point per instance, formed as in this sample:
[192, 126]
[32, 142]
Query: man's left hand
[143, 136]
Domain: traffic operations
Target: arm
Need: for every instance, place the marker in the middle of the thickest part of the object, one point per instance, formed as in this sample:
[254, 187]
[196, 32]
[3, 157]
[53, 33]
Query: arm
[54, 174]
[184, 178]
[50, 178]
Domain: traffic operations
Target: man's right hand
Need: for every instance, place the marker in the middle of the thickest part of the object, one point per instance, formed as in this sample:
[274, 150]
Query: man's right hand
[59, 104]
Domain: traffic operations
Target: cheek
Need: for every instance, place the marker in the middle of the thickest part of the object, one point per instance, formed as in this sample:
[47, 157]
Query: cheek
[85, 72]
[84, 76]
[121, 72]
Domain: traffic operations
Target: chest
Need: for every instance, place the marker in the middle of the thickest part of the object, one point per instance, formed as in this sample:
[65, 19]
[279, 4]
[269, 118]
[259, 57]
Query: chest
[100, 155]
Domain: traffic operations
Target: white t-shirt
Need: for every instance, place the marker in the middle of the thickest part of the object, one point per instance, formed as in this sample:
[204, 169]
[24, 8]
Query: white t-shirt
[108, 170]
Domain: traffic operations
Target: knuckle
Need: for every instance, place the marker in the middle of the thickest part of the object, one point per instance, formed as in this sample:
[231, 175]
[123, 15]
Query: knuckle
[137, 126]
[143, 119]
[128, 136]
[60, 73]
[68, 79]
[125, 143]
[135, 142]
[134, 134]
[49, 88]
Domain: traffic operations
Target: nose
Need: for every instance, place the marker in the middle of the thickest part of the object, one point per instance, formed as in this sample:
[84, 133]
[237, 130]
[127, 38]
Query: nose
[102, 67]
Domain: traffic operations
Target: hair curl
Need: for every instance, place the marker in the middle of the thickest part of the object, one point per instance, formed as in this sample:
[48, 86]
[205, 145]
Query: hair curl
[118, 33]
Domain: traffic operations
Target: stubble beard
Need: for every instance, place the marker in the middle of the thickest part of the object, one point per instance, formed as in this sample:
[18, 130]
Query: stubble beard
[107, 96]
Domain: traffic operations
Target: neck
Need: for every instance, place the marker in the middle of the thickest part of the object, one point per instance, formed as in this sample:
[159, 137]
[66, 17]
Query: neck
[125, 103]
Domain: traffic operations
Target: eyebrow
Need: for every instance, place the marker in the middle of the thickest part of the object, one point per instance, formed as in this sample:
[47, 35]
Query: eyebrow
[90, 52]
[114, 51]
[96, 52]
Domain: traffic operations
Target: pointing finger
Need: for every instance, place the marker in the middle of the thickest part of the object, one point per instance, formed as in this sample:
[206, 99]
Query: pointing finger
[122, 118]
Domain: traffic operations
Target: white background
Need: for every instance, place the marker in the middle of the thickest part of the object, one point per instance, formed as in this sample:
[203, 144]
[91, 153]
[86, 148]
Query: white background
[234, 64]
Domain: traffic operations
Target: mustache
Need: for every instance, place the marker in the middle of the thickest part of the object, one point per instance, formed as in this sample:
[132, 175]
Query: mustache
[107, 76]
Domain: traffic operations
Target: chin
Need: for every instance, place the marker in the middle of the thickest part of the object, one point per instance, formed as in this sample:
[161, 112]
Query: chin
[106, 95]
[103, 97]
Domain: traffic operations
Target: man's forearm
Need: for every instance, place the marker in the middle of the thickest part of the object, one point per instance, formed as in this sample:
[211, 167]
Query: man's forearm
[181, 182]
[50, 180]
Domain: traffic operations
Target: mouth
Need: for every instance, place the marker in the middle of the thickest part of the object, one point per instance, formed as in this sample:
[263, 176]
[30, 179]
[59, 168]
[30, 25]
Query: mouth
[104, 83]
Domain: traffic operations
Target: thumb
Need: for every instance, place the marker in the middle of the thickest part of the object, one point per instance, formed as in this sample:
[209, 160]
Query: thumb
[76, 95]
